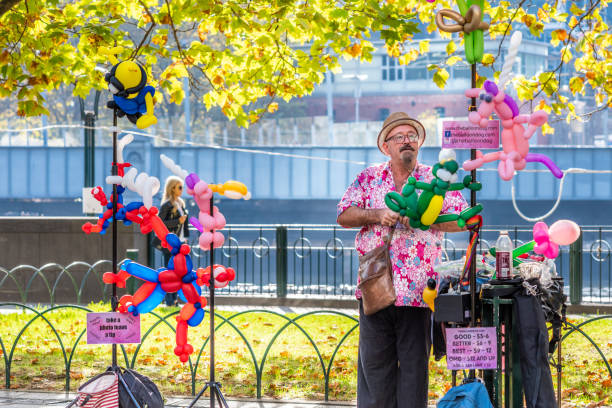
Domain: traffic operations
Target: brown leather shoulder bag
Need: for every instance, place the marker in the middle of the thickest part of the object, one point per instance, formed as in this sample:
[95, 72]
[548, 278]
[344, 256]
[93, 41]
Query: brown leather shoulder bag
[376, 278]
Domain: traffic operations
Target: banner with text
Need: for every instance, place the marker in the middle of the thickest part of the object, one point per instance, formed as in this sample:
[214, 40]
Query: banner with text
[112, 328]
[469, 348]
[466, 135]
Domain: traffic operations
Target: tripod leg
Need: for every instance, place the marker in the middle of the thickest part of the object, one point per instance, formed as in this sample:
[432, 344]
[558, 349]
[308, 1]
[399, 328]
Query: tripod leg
[220, 397]
[120, 375]
[197, 397]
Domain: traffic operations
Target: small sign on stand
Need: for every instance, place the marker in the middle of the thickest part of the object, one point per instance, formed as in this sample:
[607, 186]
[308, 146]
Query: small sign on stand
[466, 135]
[112, 328]
[90, 204]
[471, 348]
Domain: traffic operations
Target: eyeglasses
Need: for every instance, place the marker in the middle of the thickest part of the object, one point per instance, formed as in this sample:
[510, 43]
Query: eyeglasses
[404, 137]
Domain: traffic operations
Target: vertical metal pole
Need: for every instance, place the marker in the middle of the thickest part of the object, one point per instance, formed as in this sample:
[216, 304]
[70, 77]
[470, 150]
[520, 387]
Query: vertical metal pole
[576, 271]
[472, 373]
[281, 262]
[212, 315]
[114, 172]
[89, 145]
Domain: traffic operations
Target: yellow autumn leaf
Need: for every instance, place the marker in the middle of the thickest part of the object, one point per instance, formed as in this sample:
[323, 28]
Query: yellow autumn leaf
[273, 107]
[547, 129]
[453, 60]
[451, 47]
[423, 46]
[576, 85]
[488, 59]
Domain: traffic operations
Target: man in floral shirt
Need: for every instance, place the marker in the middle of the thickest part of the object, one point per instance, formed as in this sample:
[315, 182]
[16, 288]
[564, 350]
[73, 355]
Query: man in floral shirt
[394, 343]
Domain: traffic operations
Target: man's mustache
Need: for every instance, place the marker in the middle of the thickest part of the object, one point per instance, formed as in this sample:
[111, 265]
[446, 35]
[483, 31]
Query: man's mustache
[406, 147]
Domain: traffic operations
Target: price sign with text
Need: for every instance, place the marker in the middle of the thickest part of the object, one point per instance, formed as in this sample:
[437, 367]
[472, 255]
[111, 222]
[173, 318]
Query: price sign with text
[112, 328]
[470, 348]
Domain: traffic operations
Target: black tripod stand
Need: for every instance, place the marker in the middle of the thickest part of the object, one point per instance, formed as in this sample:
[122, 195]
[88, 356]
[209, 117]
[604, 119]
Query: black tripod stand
[114, 301]
[215, 387]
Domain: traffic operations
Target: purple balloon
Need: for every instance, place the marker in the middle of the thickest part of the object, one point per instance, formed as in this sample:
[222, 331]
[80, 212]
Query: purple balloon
[191, 180]
[196, 223]
[512, 105]
[491, 87]
[545, 160]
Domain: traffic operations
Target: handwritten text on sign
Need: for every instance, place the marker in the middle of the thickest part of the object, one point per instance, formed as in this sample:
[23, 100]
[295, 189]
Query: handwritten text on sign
[112, 328]
[471, 348]
[466, 135]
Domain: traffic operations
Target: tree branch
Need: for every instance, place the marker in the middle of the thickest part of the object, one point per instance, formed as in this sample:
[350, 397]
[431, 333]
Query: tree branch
[192, 81]
[149, 30]
[6, 5]
[567, 43]
[518, 7]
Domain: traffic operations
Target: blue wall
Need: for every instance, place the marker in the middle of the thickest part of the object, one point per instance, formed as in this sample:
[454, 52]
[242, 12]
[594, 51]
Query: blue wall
[57, 172]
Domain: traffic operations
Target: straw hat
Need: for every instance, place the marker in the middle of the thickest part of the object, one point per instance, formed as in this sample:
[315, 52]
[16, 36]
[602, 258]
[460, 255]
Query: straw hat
[397, 119]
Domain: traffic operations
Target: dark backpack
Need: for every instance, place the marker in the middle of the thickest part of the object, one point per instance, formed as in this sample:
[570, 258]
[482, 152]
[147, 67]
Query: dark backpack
[141, 388]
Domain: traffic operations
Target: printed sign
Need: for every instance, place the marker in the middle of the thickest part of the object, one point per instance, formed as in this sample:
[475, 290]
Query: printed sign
[112, 328]
[471, 348]
[90, 204]
[466, 135]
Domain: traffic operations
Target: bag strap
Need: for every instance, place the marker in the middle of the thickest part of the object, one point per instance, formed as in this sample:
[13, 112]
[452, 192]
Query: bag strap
[387, 240]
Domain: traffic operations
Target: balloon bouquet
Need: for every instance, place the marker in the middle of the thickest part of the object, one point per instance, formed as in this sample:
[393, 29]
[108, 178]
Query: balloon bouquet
[133, 98]
[179, 275]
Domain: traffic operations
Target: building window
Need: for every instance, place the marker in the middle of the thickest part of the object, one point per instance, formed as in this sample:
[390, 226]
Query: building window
[383, 113]
[462, 72]
[414, 73]
[391, 70]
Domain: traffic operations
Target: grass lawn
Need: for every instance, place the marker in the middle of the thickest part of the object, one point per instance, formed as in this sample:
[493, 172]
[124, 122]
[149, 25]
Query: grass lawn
[292, 368]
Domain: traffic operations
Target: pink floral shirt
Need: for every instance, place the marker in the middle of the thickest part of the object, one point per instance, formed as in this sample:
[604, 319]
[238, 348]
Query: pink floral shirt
[413, 252]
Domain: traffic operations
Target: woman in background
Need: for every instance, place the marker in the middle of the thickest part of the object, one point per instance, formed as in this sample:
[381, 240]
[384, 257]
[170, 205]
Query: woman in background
[174, 216]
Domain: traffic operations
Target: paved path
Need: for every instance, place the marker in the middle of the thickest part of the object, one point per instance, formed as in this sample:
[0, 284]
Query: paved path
[34, 399]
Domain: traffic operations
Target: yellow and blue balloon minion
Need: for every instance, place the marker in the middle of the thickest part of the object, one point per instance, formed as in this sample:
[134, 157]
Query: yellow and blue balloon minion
[132, 97]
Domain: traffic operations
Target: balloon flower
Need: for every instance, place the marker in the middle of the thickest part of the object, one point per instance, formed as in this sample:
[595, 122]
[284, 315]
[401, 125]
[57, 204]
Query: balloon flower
[546, 240]
[469, 21]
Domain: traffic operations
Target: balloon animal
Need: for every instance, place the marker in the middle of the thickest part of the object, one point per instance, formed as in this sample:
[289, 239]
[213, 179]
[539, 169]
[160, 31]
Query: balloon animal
[424, 210]
[515, 137]
[132, 97]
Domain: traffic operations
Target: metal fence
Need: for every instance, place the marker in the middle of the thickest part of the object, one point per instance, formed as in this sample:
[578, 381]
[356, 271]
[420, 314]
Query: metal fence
[69, 349]
[304, 260]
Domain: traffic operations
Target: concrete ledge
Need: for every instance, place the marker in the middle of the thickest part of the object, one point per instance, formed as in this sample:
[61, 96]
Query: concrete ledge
[590, 309]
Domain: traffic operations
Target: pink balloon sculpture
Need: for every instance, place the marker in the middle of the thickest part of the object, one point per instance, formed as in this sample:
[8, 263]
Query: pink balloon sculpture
[547, 240]
[515, 138]
[208, 225]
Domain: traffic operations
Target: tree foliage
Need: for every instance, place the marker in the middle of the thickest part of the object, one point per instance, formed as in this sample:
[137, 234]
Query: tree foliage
[243, 56]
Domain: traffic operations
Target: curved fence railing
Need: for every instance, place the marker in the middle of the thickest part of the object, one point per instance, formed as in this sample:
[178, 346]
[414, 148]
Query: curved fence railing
[67, 344]
[78, 282]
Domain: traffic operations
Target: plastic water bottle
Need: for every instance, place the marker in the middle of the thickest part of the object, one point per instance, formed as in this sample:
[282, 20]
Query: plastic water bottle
[503, 256]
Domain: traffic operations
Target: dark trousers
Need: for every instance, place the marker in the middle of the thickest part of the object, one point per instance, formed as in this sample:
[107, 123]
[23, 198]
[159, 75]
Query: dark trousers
[393, 359]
